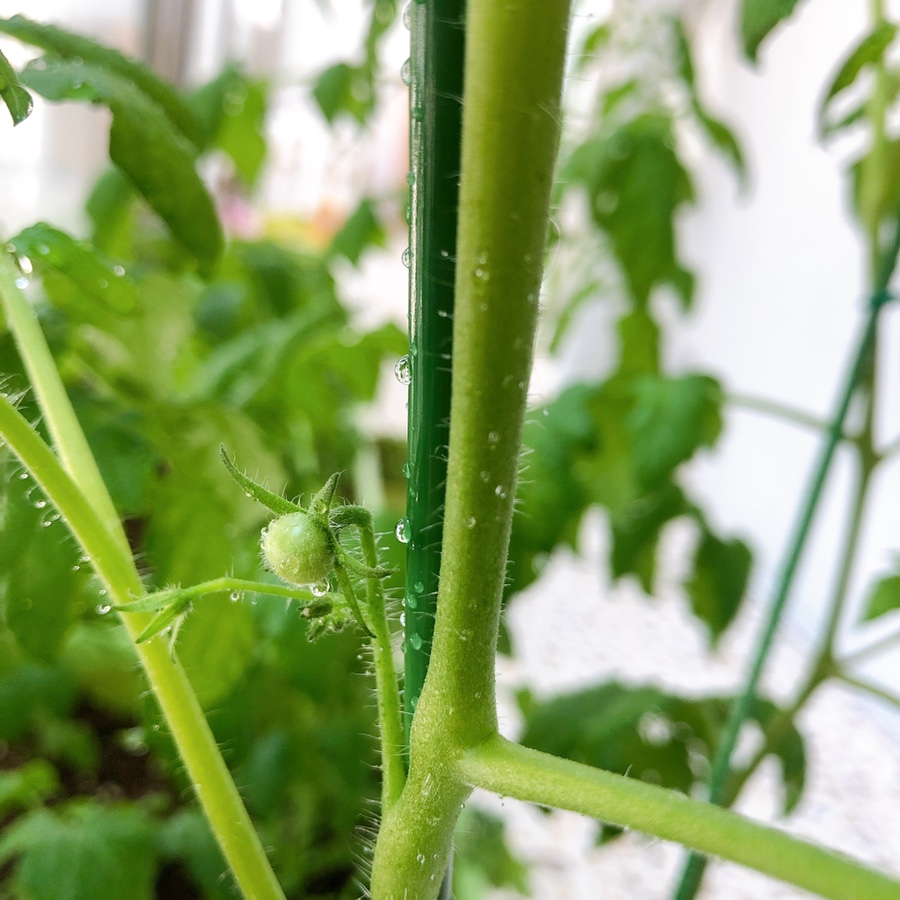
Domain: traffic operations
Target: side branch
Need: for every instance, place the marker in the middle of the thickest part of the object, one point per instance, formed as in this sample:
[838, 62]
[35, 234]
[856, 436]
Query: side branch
[514, 771]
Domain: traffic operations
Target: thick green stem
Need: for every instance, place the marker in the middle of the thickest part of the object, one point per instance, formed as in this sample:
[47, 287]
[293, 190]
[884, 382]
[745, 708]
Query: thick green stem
[526, 774]
[514, 64]
[216, 791]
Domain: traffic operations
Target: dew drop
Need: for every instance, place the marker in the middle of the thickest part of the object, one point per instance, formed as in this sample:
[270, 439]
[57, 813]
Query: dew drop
[40, 504]
[412, 601]
[407, 471]
[319, 589]
[407, 257]
[42, 249]
[485, 476]
[119, 271]
[500, 492]
[420, 859]
[407, 16]
[415, 641]
[470, 522]
[103, 609]
[418, 587]
[406, 72]
[21, 282]
[402, 530]
[235, 596]
[410, 178]
[403, 370]
[23, 475]
[416, 113]
[493, 437]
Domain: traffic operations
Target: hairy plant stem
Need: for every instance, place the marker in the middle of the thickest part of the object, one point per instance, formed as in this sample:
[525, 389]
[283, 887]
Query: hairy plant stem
[390, 725]
[513, 771]
[513, 76]
[101, 537]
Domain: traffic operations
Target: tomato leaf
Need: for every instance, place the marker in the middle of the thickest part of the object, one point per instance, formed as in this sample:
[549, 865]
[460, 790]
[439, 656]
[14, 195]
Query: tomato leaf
[158, 160]
[884, 597]
[16, 98]
[66, 45]
[758, 18]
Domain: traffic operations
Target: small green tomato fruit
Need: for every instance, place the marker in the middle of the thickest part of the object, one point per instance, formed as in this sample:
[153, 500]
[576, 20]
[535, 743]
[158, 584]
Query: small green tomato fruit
[298, 549]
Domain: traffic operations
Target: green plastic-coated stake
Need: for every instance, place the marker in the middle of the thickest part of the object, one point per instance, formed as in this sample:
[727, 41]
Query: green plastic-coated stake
[695, 866]
[436, 69]
[436, 86]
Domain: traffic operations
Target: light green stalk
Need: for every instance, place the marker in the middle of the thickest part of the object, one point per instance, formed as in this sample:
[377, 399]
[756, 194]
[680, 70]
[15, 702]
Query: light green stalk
[96, 527]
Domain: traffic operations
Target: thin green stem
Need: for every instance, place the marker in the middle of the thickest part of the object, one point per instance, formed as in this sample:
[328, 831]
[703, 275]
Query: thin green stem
[216, 791]
[860, 370]
[227, 583]
[525, 774]
[870, 687]
[780, 410]
[390, 724]
[66, 434]
[887, 642]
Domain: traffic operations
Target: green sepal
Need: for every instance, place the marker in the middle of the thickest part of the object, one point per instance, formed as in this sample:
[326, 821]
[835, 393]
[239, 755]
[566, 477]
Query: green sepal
[274, 502]
[172, 616]
[156, 601]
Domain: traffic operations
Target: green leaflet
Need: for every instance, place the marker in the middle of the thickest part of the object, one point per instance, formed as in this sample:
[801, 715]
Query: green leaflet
[758, 18]
[718, 133]
[83, 851]
[144, 145]
[636, 184]
[868, 51]
[97, 280]
[719, 579]
[16, 98]
[884, 597]
[73, 47]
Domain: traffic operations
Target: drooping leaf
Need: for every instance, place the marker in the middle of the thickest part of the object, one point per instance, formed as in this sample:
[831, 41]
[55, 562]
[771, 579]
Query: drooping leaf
[16, 98]
[635, 184]
[96, 279]
[758, 18]
[337, 90]
[716, 586]
[232, 110]
[144, 145]
[868, 51]
[884, 597]
[718, 133]
[81, 852]
[361, 230]
[671, 419]
[73, 47]
[636, 531]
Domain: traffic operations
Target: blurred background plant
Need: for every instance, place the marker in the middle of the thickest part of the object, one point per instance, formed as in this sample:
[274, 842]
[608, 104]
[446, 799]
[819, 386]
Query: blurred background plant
[280, 343]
